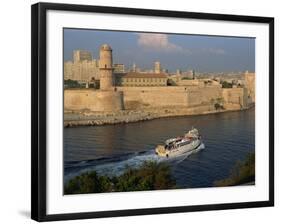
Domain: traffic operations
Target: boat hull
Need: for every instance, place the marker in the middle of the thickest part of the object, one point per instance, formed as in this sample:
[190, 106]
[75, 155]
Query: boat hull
[180, 150]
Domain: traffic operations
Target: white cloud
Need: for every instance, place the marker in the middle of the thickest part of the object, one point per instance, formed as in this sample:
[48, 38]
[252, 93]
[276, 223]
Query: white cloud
[160, 42]
[157, 42]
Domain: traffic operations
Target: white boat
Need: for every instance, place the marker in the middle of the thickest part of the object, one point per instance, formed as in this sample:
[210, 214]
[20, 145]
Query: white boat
[180, 145]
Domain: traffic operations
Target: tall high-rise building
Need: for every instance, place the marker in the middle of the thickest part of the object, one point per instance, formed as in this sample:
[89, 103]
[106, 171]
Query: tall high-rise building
[157, 67]
[81, 55]
[134, 69]
[82, 68]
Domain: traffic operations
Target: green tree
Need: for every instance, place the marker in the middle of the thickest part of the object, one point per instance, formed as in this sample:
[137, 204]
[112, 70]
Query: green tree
[88, 182]
[171, 82]
[217, 106]
[218, 103]
[149, 176]
[71, 83]
[226, 84]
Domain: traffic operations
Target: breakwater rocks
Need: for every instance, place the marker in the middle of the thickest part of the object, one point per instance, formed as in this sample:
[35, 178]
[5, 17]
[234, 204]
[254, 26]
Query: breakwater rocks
[72, 119]
[114, 118]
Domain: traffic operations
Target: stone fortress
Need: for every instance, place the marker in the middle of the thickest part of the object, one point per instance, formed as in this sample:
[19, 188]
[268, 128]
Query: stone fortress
[148, 91]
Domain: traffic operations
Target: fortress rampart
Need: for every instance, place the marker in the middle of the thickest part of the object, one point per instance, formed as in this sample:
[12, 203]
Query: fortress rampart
[86, 99]
[235, 98]
[130, 98]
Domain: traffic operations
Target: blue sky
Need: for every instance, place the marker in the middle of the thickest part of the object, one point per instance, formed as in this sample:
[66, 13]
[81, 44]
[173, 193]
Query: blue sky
[174, 51]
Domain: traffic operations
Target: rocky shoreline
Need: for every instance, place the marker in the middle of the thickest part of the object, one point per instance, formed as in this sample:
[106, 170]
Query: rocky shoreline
[73, 119]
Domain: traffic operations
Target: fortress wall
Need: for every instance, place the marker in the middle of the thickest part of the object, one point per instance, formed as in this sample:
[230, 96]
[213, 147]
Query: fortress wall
[172, 95]
[78, 99]
[192, 82]
[132, 96]
[93, 100]
[199, 98]
[234, 98]
[203, 95]
[152, 88]
[154, 96]
[107, 101]
[165, 98]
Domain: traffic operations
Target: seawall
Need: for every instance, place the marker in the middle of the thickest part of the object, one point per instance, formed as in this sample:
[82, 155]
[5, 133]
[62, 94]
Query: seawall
[132, 104]
[96, 119]
[133, 98]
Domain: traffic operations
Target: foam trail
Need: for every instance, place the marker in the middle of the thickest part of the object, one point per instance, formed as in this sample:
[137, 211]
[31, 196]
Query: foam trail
[118, 167]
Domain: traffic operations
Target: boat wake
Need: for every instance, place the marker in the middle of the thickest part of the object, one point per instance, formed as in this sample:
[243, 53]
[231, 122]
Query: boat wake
[116, 165]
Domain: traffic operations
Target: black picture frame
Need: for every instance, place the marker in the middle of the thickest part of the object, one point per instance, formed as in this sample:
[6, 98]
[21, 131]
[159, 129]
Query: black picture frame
[38, 109]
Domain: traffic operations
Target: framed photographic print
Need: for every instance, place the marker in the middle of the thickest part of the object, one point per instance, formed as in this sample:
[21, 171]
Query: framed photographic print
[138, 111]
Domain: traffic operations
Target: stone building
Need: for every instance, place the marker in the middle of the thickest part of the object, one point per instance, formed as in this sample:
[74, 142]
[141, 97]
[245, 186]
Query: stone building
[141, 79]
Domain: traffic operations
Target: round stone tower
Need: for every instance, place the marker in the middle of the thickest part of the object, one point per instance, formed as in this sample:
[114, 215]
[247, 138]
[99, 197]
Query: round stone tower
[106, 69]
